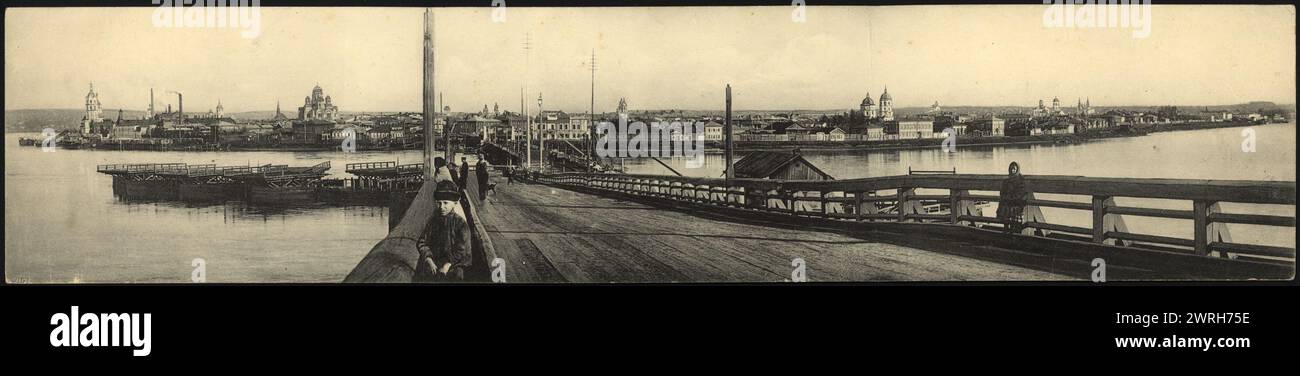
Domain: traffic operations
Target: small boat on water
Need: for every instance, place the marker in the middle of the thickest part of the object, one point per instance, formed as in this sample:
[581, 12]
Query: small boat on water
[23, 141]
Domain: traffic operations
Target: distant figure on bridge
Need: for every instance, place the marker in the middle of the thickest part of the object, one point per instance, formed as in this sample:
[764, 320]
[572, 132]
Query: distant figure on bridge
[481, 170]
[464, 173]
[1011, 200]
[509, 173]
[447, 256]
[440, 170]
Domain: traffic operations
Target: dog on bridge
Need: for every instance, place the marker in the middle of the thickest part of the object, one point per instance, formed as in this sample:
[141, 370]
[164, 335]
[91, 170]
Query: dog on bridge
[487, 192]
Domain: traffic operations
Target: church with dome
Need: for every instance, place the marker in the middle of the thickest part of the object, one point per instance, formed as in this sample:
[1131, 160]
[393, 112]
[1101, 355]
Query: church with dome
[884, 111]
[318, 106]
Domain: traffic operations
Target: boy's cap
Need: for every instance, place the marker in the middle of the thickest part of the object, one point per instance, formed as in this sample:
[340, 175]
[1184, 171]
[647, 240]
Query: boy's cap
[446, 191]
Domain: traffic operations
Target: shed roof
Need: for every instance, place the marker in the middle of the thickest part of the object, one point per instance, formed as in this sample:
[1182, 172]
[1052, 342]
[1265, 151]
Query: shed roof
[762, 164]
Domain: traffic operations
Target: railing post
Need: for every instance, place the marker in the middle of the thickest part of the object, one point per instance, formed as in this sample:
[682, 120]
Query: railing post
[903, 202]
[1217, 232]
[956, 205]
[1103, 222]
[857, 204]
[825, 210]
[1201, 226]
[1099, 204]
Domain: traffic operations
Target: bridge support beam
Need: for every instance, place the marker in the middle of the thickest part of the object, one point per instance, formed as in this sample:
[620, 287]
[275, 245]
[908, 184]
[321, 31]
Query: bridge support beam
[1103, 222]
[959, 206]
[1033, 213]
[1206, 232]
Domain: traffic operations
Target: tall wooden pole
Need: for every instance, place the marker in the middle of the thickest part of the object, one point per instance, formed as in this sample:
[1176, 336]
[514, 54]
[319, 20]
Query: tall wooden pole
[429, 110]
[726, 134]
[541, 134]
[591, 118]
[528, 119]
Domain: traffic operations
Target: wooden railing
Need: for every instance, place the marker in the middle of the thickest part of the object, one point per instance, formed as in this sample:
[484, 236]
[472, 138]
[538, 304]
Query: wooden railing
[952, 199]
[368, 165]
[139, 168]
[384, 168]
[367, 184]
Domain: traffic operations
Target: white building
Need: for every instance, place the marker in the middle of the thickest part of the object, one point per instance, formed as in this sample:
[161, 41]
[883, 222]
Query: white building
[318, 106]
[915, 128]
[713, 132]
[94, 112]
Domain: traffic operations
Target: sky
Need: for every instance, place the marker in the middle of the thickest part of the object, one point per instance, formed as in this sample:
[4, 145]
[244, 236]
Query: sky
[369, 59]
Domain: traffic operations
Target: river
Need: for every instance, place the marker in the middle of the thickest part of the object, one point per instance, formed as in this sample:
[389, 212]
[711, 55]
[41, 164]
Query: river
[63, 224]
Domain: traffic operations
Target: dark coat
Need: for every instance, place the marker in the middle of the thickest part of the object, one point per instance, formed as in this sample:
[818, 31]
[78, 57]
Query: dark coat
[464, 174]
[1011, 199]
[482, 170]
[449, 242]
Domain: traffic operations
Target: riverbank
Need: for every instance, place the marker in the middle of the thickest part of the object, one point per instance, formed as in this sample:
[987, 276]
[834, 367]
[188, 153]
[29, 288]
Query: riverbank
[158, 145]
[1135, 131]
[930, 143]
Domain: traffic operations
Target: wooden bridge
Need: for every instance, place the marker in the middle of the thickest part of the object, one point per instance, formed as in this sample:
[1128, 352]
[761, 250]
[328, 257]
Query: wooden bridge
[588, 227]
[581, 227]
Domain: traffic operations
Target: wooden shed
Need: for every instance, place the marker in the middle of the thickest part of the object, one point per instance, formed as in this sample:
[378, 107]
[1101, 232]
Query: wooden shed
[778, 165]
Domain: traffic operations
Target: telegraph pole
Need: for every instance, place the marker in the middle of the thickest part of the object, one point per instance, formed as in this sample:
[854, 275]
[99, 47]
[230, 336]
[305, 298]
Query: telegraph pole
[541, 147]
[591, 124]
[528, 119]
[726, 133]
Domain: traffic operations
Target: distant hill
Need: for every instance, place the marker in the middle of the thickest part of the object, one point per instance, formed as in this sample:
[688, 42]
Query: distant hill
[36, 120]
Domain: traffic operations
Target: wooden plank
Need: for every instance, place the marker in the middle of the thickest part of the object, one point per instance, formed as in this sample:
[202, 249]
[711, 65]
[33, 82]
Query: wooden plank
[976, 218]
[942, 217]
[1059, 204]
[1150, 238]
[1260, 250]
[1148, 212]
[991, 198]
[1061, 228]
[1252, 219]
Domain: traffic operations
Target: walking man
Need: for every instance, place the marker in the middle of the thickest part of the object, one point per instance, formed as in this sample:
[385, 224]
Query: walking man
[464, 172]
[481, 169]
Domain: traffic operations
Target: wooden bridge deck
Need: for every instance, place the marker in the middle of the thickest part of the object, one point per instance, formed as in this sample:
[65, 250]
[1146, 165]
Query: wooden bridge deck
[548, 234]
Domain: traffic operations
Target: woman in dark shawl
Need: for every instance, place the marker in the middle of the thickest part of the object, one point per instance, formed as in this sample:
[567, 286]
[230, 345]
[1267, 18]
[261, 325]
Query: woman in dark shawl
[1011, 204]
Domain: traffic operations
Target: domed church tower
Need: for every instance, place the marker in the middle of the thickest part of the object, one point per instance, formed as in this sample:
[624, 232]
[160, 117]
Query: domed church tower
[868, 107]
[886, 105]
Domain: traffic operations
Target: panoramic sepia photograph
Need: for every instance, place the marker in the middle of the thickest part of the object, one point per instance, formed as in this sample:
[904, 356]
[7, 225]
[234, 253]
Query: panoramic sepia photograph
[181, 144]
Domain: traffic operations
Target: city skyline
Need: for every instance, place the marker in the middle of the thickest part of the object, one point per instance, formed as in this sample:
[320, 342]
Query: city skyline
[369, 59]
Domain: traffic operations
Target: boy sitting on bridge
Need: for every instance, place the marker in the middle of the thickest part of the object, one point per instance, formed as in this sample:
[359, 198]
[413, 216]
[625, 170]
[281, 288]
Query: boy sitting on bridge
[447, 257]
